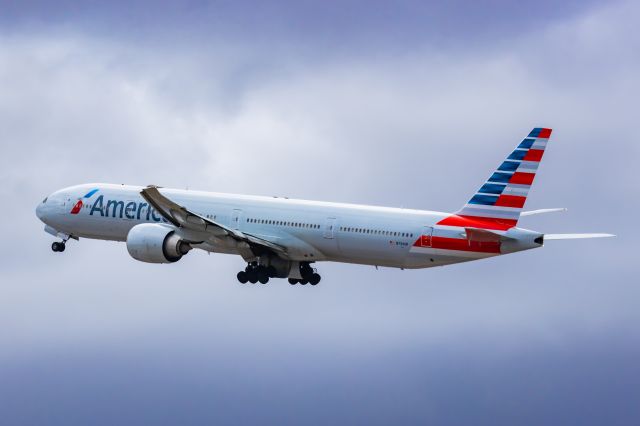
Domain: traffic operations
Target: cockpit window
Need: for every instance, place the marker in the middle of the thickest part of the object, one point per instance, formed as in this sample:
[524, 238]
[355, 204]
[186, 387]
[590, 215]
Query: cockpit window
[45, 200]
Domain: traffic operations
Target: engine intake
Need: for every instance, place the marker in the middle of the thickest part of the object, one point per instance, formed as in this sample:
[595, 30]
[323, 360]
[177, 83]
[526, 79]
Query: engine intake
[155, 243]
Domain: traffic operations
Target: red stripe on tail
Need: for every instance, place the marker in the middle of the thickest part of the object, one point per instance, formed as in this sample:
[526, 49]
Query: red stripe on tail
[520, 178]
[533, 155]
[510, 201]
[545, 133]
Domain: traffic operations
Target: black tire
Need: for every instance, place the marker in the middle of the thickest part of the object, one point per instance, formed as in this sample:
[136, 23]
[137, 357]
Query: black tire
[242, 277]
[304, 282]
[305, 270]
[315, 279]
[293, 281]
[54, 246]
[61, 247]
[271, 272]
[263, 279]
[262, 274]
[253, 277]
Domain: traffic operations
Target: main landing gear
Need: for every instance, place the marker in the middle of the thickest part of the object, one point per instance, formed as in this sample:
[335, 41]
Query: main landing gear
[309, 276]
[59, 246]
[254, 273]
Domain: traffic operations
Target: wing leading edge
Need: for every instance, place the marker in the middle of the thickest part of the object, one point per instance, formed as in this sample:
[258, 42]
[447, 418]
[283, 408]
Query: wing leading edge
[182, 217]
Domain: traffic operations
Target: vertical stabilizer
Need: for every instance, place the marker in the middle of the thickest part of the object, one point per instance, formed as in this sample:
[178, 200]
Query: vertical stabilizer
[499, 201]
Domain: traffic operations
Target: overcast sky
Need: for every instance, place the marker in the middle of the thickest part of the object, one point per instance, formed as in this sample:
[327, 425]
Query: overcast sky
[407, 104]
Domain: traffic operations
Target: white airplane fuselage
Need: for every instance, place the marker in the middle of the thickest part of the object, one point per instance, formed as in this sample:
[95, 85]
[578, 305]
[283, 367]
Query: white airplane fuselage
[280, 237]
[312, 231]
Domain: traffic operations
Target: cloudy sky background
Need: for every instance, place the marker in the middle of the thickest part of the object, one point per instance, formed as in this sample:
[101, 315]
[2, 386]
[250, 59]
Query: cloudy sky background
[410, 104]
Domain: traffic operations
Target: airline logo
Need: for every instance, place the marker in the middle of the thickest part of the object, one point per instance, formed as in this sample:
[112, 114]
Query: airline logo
[78, 206]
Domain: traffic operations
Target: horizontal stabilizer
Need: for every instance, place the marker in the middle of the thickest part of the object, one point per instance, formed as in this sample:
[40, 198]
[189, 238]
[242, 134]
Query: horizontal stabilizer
[541, 211]
[548, 237]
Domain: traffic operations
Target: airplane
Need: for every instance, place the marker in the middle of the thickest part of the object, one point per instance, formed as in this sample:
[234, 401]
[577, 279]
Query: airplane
[280, 237]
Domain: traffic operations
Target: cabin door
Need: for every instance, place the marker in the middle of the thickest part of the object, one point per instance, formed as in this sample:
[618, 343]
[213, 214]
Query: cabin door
[329, 228]
[236, 218]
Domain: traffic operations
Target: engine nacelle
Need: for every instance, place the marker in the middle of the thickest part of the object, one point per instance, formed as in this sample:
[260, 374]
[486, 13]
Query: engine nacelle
[154, 243]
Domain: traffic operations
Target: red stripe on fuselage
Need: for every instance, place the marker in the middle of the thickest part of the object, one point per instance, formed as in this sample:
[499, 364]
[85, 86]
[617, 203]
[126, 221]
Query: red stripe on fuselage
[465, 245]
[464, 221]
[423, 241]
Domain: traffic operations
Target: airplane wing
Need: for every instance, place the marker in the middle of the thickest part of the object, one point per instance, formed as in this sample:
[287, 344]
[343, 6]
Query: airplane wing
[183, 218]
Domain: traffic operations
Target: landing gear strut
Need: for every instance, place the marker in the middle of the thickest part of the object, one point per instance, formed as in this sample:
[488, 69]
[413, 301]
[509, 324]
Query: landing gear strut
[309, 276]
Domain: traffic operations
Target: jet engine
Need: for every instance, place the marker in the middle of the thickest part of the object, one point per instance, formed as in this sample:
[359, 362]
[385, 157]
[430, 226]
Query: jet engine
[155, 243]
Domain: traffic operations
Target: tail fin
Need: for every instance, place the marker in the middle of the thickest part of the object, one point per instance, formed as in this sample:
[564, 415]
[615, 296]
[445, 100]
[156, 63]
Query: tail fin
[499, 202]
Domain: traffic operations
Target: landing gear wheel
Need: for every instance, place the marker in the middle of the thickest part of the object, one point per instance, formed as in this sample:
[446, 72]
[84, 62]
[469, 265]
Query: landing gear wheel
[304, 282]
[314, 279]
[271, 271]
[252, 274]
[293, 281]
[58, 247]
[242, 277]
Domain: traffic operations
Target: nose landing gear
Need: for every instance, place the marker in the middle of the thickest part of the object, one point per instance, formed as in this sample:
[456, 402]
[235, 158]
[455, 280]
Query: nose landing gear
[58, 246]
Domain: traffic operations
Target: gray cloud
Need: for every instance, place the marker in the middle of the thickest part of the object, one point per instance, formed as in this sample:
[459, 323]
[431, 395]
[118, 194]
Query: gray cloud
[336, 26]
[527, 338]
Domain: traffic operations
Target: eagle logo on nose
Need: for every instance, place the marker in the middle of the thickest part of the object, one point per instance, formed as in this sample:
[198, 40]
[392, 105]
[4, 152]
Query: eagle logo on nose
[78, 206]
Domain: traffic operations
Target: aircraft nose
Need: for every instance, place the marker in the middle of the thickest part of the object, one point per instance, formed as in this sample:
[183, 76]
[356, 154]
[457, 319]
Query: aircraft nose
[40, 211]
